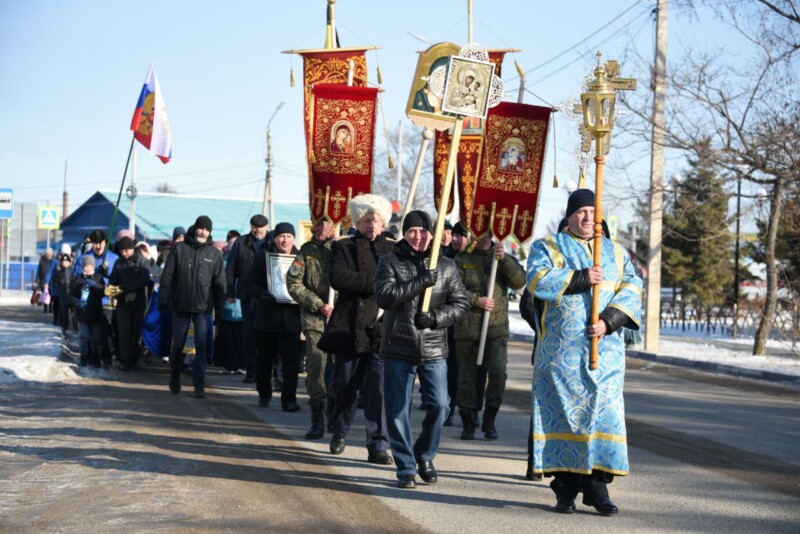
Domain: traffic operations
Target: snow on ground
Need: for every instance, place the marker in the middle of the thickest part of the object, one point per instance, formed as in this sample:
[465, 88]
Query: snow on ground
[30, 352]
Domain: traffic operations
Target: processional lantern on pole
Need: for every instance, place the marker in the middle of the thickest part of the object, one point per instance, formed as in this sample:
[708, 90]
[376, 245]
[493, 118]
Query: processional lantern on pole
[598, 104]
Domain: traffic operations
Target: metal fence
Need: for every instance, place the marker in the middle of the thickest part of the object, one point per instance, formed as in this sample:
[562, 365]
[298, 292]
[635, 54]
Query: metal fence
[686, 316]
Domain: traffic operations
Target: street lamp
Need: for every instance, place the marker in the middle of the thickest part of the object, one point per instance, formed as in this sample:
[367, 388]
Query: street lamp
[598, 118]
[267, 209]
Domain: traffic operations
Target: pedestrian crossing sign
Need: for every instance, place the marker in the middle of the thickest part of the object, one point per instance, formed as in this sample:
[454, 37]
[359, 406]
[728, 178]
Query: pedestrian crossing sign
[49, 218]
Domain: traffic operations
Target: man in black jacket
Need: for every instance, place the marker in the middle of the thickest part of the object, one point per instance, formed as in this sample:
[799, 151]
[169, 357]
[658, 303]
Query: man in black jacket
[352, 334]
[415, 343]
[240, 260]
[277, 323]
[131, 275]
[192, 286]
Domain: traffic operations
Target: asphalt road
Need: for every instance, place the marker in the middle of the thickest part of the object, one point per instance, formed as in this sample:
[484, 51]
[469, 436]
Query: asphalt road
[119, 452]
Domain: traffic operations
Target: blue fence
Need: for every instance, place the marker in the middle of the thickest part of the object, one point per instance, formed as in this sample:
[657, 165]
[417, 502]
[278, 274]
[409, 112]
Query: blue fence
[15, 277]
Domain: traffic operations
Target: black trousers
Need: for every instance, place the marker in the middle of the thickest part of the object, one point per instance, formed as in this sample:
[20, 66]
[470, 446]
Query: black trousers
[129, 332]
[274, 346]
[350, 372]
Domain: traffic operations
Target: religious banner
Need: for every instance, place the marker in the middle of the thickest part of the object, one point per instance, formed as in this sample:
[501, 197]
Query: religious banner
[342, 133]
[510, 170]
[468, 151]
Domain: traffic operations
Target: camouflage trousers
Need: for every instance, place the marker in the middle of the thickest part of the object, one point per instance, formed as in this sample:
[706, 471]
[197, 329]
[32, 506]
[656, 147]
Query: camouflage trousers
[316, 363]
[495, 357]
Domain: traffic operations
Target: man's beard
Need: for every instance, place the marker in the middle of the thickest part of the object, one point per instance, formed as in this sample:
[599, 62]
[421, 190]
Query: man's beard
[200, 239]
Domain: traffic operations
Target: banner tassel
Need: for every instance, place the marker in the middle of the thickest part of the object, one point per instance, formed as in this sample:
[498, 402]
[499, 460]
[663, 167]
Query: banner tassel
[555, 181]
[380, 77]
[291, 77]
[391, 162]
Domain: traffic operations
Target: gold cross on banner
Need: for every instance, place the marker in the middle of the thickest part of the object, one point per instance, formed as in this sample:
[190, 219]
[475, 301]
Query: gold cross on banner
[525, 219]
[338, 199]
[481, 213]
[504, 216]
[319, 201]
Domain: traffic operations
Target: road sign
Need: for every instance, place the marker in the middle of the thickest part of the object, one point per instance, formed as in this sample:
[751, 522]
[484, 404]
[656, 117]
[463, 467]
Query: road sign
[49, 217]
[6, 203]
[613, 225]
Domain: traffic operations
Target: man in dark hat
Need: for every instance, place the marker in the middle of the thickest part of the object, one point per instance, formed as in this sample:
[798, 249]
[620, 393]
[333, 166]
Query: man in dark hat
[192, 287]
[571, 401]
[240, 260]
[415, 344]
[178, 234]
[277, 323]
[131, 276]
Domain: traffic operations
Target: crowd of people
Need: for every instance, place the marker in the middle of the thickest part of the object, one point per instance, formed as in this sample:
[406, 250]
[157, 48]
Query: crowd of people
[350, 311]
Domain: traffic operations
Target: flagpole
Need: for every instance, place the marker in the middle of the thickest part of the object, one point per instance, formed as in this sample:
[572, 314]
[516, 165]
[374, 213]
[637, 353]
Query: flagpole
[427, 135]
[133, 195]
[121, 186]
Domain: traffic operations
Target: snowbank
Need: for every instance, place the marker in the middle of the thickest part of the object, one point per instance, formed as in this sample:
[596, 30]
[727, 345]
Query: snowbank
[31, 352]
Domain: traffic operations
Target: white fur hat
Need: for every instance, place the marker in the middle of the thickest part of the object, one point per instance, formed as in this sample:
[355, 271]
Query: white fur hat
[363, 205]
[65, 248]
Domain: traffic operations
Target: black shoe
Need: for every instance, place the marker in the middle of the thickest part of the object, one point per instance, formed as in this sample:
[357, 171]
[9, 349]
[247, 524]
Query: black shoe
[337, 445]
[249, 378]
[406, 482]
[565, 505]
[603, 506]
[427, 472]
[175, 385]
[489, 430]
[263, 403]
[380, 458]
[468, 423]
[530, 475]
[317, 428]
[199, 393]
[291, 407]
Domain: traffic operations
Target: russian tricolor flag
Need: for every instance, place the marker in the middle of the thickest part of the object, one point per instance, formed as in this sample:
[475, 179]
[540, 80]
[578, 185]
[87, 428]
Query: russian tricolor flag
[150, 124]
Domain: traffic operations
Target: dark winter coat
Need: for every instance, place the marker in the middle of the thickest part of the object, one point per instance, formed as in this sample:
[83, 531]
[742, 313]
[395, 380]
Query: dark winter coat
[193, 279]
[60, 282]
[240, 262]
[353, 327]
[133, 277]
[271, 316]
[398, 291]
[92, 312]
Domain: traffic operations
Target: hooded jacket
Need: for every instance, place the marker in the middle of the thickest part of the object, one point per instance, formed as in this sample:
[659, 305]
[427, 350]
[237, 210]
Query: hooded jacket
[398, 290]
[193, 279]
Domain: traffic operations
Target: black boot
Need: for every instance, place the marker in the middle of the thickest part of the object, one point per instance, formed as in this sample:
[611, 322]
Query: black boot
[566, 487]
[489, 431]
[469, 424]
[595, 494]
[317, 429]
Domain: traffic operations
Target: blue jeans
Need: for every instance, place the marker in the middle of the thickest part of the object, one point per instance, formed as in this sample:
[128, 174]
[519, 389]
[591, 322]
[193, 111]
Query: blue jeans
[180, 329]
[398, 385]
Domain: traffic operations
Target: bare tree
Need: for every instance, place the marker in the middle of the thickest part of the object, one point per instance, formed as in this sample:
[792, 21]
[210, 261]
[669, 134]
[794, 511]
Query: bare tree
[384, 180]
[746, 106]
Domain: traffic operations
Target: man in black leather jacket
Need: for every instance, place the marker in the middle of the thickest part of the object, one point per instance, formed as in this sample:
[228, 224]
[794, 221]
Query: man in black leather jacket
[415, 343]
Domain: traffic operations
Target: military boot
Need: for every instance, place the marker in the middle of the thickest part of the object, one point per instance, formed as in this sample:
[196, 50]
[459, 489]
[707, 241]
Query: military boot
[489, 431]
[317, 429]
[469, 424]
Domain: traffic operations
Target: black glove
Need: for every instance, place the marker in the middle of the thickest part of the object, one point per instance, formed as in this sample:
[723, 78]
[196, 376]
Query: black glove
[427, 278]
[424, 320]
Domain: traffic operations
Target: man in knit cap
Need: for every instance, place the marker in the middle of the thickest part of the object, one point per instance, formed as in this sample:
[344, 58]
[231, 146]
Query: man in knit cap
[578, 413]
[192, 287]
[352, 334]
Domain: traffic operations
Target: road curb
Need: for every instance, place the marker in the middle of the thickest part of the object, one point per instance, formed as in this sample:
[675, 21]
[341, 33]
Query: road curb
[711, 367]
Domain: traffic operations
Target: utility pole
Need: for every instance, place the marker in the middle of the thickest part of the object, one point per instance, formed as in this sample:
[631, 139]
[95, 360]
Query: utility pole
[64, 195]
[653, 324]
[267, 209]
[131, 192]
[736, 257]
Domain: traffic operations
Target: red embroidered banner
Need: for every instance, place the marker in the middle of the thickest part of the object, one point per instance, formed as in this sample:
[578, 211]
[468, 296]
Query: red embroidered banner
[510, 171]
[342, 137]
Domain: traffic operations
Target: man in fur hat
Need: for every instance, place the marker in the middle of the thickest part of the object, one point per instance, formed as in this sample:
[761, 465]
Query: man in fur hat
[352, 334]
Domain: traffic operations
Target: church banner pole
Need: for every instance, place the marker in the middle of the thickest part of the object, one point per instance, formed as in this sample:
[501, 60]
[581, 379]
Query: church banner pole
[427, 135]
[442, 213]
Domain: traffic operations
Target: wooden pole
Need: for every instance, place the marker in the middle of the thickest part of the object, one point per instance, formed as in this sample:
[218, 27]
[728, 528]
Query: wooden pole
[427, 135]
[446, 189]
[599, 160]
[486, 314]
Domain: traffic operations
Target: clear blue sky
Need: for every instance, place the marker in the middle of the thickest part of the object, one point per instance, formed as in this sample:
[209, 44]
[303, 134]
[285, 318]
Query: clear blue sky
[72, 72]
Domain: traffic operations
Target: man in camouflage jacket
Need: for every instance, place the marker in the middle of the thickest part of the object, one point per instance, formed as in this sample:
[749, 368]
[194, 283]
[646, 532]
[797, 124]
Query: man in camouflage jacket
[475, 266]
[308, 284]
